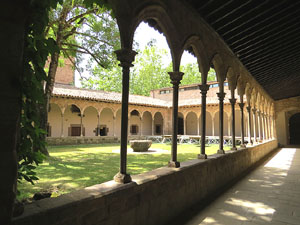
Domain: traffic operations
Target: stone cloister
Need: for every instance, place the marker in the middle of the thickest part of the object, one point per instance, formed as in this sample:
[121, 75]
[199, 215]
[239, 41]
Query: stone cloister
[252, 109]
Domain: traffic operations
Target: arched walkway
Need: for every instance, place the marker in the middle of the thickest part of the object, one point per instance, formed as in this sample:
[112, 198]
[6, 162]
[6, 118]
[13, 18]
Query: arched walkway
[191, 123]
[90, 121]
[106, 122]
[294, 129]
[72, 121]
[147, 123]
[118, 123]
[134, 123]
[54, 121]
[209, 127]
[180, 124]
[158, 123]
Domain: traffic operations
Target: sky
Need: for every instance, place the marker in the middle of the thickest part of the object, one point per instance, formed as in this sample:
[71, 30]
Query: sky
[142, 36]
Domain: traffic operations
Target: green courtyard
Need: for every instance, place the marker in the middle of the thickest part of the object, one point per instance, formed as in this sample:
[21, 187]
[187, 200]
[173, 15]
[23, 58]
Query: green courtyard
[71, 168]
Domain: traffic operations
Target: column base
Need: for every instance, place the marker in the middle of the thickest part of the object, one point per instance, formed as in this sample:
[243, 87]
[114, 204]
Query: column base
[202, 156]
[122, 178]
[221, 151]
[234, 148]
[174, 164]
[243, 146]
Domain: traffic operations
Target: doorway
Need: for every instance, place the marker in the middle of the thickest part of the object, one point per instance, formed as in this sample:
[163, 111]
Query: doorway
[180, 126]
[294, 129]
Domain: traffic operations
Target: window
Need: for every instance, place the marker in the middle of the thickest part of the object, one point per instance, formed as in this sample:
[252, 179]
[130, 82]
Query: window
[134, 129]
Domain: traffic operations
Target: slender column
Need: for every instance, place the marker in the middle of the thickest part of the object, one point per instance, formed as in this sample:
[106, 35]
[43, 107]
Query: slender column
[254, 124]
[126, 57]
[249, 124]
[152, 127]
[203, 89]
[268, 126]
[198, 126]
[232, 102]
[259, 126]
[213, 126]
[62, 125]
[81, 126]
[98, 125]
[221, 96]
[184, 126]
[114, 126]
[263, 126]
[141, 126]
[242, 124]
[175, 80]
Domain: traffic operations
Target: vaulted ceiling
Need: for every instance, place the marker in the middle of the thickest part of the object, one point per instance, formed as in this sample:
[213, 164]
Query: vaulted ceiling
[264, 35]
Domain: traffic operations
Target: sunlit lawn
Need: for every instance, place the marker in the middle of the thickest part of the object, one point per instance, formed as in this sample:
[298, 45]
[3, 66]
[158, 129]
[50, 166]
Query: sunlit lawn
[73, 167]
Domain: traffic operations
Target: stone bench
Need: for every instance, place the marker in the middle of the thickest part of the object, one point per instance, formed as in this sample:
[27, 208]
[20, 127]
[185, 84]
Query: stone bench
[140, 145]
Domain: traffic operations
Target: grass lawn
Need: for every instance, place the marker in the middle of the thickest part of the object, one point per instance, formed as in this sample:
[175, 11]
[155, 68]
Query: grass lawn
[73, 167]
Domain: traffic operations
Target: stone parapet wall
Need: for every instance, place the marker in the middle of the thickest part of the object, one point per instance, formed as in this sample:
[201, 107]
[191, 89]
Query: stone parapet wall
[80, 140]
[152, 199]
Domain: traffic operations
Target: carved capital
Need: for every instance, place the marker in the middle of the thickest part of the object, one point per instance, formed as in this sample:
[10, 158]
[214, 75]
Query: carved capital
[232, 101]
[241, 105]
[221, 96]
[248, 108]
[204, 88]
[126, 57]
[175, 77]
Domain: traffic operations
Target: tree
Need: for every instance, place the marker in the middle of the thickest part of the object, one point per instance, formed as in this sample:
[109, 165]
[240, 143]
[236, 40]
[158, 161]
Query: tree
[78, 31]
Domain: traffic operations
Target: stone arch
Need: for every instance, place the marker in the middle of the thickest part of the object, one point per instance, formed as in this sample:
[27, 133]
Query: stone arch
[146, 123]
[209, 128]
[225, 125]
[72, 121]
[90, 121]
[157, 17]
[158, 123]
[54, 120]
[135, 122]
[194, 43]
[191, 123]
[106, 122]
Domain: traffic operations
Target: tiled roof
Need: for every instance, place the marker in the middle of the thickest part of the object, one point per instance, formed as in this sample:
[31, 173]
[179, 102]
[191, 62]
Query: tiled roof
[74, 92]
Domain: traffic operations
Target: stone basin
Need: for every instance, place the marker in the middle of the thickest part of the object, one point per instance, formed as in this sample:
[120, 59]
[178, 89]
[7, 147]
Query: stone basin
[140, 145]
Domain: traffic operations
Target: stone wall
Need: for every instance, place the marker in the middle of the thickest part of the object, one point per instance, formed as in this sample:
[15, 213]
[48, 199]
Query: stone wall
[152, 199]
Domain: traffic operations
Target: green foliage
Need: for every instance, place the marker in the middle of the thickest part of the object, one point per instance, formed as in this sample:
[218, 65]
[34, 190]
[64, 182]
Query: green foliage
[37, 48]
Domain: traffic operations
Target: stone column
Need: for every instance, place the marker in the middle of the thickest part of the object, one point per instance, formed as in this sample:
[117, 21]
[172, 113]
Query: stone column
[232, 102]
[268, 126]
[254, 124]
[221, 97]
[263, 126]
[198, 126]
[152, 130]
[203, 89]
[141, 126]
[81, 126]
[175, 80]
[98, 125]
[242, 124]
[249, 124]
[62, 125]
[259, 125]
[114, 126]
[126, 57]
[213, 126]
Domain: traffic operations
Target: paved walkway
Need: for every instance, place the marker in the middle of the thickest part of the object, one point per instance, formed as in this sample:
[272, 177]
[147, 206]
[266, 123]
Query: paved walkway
[268, 195]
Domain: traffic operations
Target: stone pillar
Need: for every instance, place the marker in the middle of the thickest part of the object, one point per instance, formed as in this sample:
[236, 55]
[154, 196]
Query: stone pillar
[232, 102]
[198, 126]
[175, 80]
[126, 57]
[62, 125]
[81, 125]
[203, 89]
[263, 125]
[98, 125]
[141, 126]
[249, 124]
[213, 126]
[114, 126]
[254, 124]
[221, 97]
[242, 124]
[268, 126]
[259, 125]
[152, 127]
